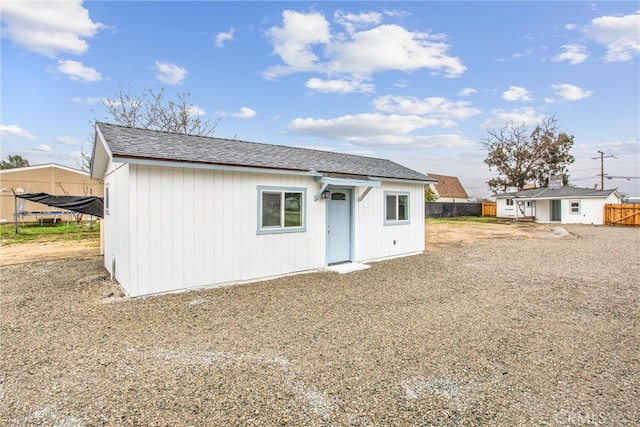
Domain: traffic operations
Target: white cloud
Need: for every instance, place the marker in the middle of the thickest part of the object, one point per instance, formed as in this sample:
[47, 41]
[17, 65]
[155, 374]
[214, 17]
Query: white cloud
[47, 27]
[306, 43]
[620, 35]
[338, 85]
[377, 130]
[194, 110]
[391, 47]
[244, 113]
[170, 73]
[516, 93]
[16, 131]
[351, 22]
[527, 52]
[521, 116]
[65, 140]
[361, 125]
[293, 42]
[414, 141]
[221, 38]
[402, 83]
[88, 101]
[573, 53]
[569, 92]
[467, 91]
[434, 106]
[43, 147]
[74, 70]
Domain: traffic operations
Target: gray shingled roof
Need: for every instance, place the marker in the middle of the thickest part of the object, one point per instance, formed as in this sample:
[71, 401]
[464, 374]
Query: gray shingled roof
[134, 143]
[559, 193]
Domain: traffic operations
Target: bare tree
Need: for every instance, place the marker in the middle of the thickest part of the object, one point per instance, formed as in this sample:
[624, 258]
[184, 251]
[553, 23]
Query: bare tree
[522, 156]
[151, 110]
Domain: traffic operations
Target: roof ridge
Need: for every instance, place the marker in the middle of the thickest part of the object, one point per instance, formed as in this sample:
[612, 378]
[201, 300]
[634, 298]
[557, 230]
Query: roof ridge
[245, 141]
[138, 143]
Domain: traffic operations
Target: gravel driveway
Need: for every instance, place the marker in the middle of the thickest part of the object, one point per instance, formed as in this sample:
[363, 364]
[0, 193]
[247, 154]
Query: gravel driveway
[536, 331]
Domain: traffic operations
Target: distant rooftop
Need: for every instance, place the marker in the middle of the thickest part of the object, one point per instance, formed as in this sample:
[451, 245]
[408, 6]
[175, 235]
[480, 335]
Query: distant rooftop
[449, 186]
[563, 192]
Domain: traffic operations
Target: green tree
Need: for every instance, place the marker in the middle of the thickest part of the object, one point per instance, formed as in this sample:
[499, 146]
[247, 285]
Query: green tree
[429, 194]
[15, 161]
[522, 156]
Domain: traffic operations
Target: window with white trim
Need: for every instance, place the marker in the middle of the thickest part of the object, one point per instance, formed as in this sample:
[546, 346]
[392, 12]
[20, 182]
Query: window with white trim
[281, 210]
[106, 199]
[574, 206]
[509, 202]
[396, 208]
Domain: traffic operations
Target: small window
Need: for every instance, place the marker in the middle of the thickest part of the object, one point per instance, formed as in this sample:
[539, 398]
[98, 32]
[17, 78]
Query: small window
[106, 199]
[509, 202]
[575, 207]
[396, 208]
[281, 210]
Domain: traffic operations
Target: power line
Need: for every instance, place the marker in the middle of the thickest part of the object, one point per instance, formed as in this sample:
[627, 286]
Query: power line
[601, 174]
[628, 178]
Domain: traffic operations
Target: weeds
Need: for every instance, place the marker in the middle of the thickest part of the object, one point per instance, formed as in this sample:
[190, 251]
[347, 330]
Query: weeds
[34, 232]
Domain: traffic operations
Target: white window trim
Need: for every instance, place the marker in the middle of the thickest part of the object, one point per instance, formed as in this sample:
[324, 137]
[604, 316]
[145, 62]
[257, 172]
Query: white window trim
[396, 221]
[282, 229]
[107, 198]
[571, 202]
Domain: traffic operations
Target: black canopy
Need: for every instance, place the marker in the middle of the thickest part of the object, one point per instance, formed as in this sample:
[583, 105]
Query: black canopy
[90, 205]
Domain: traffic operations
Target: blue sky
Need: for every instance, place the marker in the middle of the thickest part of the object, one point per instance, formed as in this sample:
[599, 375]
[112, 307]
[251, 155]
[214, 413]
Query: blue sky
[419, 83]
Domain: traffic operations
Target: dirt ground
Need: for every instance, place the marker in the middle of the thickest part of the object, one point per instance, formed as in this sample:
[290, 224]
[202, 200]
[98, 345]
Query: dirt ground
[516, 327]
[25, 253]
[437, 236]
[441, 235]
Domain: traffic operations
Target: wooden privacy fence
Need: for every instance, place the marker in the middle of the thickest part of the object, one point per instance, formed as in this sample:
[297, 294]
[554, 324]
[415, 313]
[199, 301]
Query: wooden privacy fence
[489, 209]
[623, 215]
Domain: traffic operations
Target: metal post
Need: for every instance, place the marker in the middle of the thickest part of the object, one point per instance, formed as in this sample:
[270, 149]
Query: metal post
[15, 210]
[602, 157]
[601, 170]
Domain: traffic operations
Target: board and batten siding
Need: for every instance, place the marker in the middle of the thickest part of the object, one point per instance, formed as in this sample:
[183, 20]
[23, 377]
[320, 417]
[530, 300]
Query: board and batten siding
[191, 228]
[374, 240]
[116, 221]
[591, 210]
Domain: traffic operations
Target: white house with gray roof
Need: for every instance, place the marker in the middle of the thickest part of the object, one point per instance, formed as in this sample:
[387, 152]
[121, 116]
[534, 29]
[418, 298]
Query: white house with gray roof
[566, 205]
[185, 212]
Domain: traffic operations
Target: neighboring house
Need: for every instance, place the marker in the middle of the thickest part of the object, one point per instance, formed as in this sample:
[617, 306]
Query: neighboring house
[184, 212]
[49, 178]
[567, 205]
[448, 189]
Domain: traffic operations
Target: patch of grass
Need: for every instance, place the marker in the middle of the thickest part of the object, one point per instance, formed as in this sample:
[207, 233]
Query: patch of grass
[466, 220]
[32, 232]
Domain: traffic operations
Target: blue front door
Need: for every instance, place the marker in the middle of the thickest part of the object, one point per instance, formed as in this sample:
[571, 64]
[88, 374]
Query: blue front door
[339, 226]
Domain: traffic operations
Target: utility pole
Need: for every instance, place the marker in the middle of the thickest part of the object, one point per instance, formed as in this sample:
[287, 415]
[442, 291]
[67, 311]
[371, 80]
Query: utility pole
[602, 157]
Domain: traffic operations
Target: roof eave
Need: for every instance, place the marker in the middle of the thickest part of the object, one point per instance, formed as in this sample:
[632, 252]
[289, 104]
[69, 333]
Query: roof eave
[208, 165]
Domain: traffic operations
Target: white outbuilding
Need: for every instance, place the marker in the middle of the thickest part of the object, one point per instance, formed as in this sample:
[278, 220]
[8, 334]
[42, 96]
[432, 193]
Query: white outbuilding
[185, 212]
[566, 205]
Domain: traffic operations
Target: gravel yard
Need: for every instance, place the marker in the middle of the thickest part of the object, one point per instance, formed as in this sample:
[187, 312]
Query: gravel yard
[498, 331]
